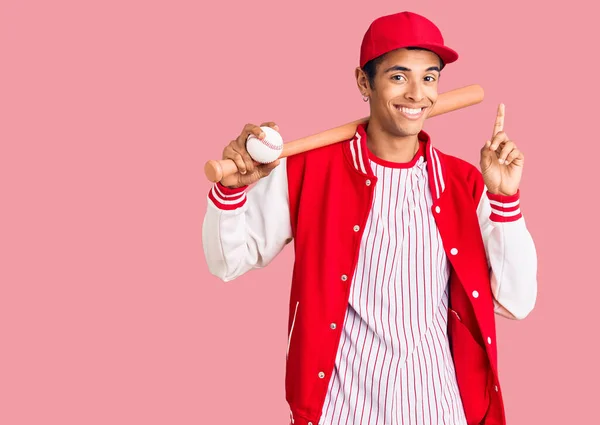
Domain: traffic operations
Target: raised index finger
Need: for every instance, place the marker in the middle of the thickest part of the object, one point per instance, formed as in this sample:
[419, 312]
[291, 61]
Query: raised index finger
[499, 125]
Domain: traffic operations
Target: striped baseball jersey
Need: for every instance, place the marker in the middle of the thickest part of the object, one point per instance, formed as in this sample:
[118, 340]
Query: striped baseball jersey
[394, 364]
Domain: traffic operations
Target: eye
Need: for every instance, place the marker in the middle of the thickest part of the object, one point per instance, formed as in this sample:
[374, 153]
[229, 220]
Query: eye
[430, 78]
[398, 77]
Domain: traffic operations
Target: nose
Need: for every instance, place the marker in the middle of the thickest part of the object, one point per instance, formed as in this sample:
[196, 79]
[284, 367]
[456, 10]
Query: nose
[414, 91]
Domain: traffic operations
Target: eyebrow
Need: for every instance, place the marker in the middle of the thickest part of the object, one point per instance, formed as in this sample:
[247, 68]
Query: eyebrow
[404, 69]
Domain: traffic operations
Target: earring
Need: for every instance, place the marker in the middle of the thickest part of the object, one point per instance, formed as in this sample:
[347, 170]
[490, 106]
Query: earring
[365, 98]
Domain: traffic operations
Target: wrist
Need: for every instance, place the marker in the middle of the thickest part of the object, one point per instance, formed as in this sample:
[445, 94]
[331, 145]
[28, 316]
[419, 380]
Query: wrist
[231, 188]
[500, 193]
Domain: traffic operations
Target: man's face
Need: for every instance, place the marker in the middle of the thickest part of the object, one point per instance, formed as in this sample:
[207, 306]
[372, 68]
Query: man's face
[405, 90]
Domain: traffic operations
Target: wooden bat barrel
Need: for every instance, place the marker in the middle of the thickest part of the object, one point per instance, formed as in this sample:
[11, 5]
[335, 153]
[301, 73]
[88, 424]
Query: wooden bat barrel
[216, 170]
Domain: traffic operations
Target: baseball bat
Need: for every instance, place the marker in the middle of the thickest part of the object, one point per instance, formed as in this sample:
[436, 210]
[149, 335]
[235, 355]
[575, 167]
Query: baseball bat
[216, 170]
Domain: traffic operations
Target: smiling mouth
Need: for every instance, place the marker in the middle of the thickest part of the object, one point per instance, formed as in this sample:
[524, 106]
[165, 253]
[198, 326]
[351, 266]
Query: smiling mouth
[410, 113]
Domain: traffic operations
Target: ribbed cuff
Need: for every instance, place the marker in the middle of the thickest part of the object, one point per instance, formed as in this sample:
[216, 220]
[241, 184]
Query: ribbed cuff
[505, 208]
[225, 198]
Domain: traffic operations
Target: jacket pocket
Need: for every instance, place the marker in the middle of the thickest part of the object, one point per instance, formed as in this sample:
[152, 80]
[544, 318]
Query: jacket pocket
[287, 353]
[472, 370]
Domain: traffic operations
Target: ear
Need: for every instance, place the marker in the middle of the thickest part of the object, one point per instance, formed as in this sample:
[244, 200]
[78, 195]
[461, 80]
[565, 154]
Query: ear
[362, 81]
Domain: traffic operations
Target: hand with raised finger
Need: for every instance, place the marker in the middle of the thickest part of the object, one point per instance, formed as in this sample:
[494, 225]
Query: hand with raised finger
[501, 161]
[249, 171]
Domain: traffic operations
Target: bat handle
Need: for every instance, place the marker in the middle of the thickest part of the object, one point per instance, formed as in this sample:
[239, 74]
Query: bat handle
[217, 170]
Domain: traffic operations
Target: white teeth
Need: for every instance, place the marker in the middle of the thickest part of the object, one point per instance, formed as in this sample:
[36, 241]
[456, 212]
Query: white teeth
[411, 111]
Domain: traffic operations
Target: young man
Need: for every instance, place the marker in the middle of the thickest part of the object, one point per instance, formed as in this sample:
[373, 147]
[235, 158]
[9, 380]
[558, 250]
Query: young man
[403, 254]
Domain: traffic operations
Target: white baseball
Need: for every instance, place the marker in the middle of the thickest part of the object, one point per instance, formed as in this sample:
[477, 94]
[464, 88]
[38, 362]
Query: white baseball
[267, 150]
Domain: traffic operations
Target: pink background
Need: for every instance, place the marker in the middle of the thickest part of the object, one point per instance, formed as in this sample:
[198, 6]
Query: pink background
[109, 110]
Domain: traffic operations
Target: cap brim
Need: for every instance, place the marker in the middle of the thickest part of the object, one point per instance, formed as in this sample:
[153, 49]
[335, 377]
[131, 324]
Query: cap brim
[445, 53]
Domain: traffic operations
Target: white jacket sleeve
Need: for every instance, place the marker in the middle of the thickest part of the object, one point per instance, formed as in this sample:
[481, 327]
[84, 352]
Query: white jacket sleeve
[246, 229]
[511, 254]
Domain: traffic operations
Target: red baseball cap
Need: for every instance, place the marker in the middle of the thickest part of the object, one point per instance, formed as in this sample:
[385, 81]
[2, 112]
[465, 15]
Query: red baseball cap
[404, 29]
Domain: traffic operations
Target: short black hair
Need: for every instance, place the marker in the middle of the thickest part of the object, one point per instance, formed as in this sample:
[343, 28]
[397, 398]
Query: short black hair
[370, 67]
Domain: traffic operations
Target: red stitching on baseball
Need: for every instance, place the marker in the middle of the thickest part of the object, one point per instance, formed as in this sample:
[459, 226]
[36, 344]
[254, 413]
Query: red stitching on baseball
[267, 144]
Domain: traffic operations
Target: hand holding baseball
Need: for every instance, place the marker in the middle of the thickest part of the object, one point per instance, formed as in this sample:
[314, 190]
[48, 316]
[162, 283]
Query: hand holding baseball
[501, 162]
[249, 170]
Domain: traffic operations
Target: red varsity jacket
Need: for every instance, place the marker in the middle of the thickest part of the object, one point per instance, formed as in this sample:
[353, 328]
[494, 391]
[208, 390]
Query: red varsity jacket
[329, 192]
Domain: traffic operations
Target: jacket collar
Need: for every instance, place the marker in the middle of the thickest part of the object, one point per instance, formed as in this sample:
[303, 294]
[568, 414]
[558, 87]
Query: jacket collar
[357, 153]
